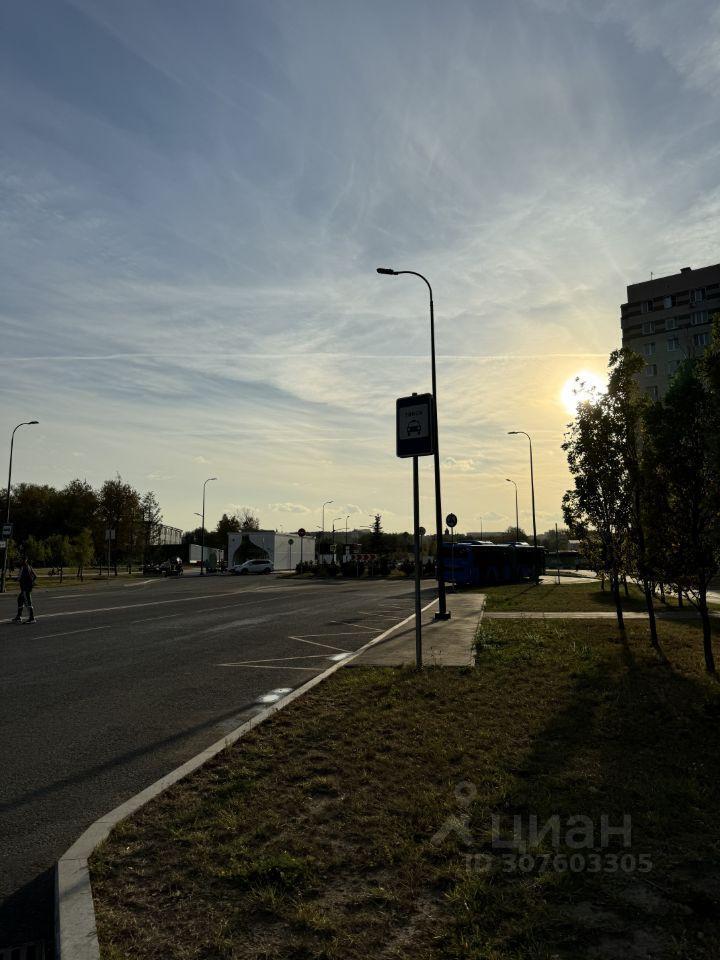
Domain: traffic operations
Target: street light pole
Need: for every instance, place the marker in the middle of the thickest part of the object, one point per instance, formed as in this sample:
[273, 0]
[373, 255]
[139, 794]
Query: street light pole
[443, 613]
[202, 548]
[346, 531]
[532, 481]
[517, 521]
[27, 423]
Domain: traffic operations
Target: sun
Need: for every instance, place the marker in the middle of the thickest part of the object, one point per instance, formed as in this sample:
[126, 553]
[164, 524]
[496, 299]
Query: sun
[581, 386]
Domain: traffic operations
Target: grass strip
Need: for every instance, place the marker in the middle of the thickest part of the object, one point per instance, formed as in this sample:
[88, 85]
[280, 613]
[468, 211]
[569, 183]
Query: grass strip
[359, 821]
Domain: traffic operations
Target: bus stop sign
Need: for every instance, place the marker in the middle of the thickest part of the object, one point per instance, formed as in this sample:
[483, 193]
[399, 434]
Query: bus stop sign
[415, 433]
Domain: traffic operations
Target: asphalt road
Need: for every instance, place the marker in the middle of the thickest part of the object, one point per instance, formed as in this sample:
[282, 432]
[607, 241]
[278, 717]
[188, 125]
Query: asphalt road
[116, 685]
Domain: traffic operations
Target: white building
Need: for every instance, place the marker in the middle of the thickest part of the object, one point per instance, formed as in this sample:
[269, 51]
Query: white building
[284, 550]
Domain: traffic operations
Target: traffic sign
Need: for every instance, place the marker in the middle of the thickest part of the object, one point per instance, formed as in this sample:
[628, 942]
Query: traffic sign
[3, 544]
[290, 541]
[415, 434]
[109, 534]
[302, 532]
[422, 531]
[451, 520]
[7, 529]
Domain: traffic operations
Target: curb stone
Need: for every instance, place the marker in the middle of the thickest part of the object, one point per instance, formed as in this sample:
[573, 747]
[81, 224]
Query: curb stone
[75, 930]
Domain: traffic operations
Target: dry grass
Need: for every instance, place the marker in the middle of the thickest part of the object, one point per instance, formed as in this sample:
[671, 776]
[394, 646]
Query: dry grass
[313, 836]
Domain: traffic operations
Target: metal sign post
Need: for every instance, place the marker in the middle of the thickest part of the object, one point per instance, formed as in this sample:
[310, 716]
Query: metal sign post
[301, 534]
[290, 544]
[415, 438]
[451, 521]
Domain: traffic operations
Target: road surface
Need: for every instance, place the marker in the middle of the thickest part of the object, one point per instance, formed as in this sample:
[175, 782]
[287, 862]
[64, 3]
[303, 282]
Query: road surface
[118, 684]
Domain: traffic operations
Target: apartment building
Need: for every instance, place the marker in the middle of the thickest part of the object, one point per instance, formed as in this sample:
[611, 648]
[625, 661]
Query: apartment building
[667, 319]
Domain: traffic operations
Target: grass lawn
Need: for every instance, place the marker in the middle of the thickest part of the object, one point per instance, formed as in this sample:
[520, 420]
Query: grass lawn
[326, 833]
[575, 597]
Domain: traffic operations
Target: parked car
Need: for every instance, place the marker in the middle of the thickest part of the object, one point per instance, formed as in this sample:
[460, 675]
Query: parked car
[251, 566]
[169, 568]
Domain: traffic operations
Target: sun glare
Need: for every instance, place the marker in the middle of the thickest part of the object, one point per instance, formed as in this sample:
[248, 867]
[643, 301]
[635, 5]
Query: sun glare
[583, 385]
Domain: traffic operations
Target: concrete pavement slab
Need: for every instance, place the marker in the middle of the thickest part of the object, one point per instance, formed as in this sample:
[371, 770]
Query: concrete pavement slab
[446, 643]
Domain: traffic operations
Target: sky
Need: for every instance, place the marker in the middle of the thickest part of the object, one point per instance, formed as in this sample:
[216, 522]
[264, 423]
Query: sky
[194, 198]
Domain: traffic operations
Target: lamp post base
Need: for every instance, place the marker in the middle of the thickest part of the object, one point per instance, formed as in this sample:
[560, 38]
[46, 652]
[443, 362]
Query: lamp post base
[442, 616]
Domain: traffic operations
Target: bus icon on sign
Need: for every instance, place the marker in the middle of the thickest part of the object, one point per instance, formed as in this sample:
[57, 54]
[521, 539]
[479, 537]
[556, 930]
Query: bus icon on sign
[414, 428]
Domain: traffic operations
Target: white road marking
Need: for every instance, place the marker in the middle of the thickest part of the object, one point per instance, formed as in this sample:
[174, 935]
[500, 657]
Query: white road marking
[244, 663]
[164, 616]
[272, 696]
[314, 643]
[146, 603]
[67, 633]
[263, 666]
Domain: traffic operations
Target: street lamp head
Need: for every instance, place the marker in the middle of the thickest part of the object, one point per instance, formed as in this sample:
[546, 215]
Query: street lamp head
[512, 432]
[32, 423]
[387, 271]
[210, 478]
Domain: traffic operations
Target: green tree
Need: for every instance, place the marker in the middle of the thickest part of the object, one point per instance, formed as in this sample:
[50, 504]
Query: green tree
[119, 510]
[247, 519]
[683, 431]
[598, 507]
[82, 551]
[36, 551]
[77, 504]
[58, 548]
[150, 520]
[628, 406]
[377, 537]
[225, 525]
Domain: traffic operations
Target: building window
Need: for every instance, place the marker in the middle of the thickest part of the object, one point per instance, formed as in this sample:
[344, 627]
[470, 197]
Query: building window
[697, 295]
[700, 316]
[701, 339]
[649, 349]
[671, 323]
[650, 369]
[648, 327]
[673, 343]
[652, 392]
[668, 302]
[646, 306]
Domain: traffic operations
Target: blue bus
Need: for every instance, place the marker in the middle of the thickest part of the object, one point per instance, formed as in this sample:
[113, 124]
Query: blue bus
[474, 563]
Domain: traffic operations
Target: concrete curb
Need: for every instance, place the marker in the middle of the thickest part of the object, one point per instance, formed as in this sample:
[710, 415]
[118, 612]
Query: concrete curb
[75, 930]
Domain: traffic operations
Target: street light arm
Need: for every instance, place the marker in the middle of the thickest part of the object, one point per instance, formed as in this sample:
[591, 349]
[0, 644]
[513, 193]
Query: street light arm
[412, 273]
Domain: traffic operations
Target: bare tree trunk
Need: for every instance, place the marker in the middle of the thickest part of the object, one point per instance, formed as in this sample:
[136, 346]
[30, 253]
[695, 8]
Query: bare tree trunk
[707, 637]
[615, 587]
[649, 603]
[681, 599]
[625, 585]
[663, 598]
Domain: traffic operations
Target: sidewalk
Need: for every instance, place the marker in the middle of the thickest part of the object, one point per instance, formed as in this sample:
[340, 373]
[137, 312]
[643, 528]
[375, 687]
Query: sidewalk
[591, 615]
[446, 643]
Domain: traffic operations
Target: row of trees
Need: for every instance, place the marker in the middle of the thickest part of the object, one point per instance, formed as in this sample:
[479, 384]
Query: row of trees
[58, 526]
[646, 496]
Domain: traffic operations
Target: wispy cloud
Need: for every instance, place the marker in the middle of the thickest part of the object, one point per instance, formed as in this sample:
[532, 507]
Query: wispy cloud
[189, 243]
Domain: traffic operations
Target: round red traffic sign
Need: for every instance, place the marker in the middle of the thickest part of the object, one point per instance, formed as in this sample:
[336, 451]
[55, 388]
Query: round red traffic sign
[301, 532]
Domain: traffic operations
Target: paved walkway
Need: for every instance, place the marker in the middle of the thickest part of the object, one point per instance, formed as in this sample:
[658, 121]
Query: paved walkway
[446, 643]
[590, 615]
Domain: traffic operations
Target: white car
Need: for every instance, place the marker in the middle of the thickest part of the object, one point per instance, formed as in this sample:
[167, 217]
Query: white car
[251, 566]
